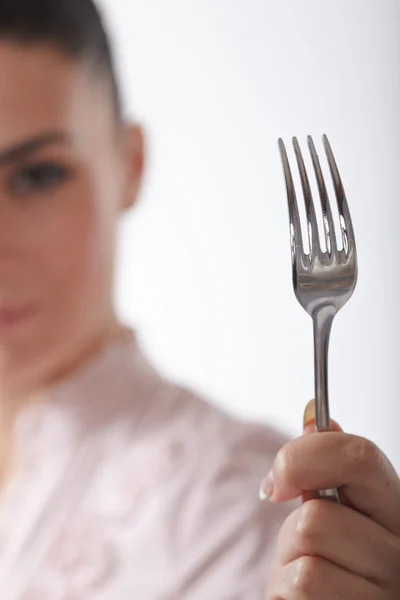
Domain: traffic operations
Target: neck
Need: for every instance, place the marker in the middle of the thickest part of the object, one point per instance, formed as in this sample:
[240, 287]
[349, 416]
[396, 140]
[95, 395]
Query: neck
[88, 349]
[70, 362]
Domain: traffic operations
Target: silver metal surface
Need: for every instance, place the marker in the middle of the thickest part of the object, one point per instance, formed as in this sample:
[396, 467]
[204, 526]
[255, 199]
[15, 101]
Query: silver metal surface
[323, 281]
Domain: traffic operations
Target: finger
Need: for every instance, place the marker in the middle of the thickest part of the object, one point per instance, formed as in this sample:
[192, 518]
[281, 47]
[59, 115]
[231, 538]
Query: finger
[313, 578]
[310, 426]
[338, 460]
[309, 419]
[337, 534]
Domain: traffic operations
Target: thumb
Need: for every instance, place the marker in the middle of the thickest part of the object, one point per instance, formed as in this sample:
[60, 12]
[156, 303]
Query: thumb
[309, 426]
[309, 420]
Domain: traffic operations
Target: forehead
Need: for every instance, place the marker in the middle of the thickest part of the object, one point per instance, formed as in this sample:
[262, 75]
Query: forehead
[42, 89]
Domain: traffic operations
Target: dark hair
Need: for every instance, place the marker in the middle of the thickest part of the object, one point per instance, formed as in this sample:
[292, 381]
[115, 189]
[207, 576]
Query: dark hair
[73, 27]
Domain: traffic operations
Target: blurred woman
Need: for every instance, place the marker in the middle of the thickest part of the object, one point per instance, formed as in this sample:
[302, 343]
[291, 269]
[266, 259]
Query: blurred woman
[115, 482]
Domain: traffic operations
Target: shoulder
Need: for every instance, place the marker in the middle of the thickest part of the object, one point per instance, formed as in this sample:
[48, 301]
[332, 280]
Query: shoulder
[217, 431]
[151, 411]
[178, 421]
[220, 524]
[197, 469]
[219, 458]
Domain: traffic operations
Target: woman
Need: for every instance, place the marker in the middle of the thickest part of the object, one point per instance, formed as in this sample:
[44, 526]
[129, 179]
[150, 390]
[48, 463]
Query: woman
[116, 483]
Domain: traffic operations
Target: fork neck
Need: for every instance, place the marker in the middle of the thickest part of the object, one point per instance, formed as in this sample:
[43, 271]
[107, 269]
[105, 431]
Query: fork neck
[322, 321]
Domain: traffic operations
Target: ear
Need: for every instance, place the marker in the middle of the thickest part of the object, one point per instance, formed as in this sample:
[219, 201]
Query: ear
[134, 164]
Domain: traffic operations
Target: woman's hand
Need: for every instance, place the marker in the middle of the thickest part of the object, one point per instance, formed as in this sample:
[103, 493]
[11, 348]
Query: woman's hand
[329, 551]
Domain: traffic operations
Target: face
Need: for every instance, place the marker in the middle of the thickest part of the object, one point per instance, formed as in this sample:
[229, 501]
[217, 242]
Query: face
[67, 171]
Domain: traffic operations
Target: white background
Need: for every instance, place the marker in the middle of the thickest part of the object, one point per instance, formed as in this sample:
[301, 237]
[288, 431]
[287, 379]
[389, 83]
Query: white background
[204, 271]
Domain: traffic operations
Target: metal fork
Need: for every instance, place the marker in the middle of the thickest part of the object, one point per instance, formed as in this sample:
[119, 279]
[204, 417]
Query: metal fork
[323, 281]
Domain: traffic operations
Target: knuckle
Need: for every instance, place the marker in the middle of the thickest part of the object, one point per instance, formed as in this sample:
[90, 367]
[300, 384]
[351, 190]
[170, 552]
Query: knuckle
[310, 516]
[287, 542]
[284, 463]
[363, 455]
[306, 574]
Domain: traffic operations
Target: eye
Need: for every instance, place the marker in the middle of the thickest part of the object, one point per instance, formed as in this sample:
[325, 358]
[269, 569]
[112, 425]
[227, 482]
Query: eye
[38, 178]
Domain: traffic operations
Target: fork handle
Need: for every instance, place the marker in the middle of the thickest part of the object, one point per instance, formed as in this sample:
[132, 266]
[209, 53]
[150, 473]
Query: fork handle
[322, 321]
[332, 495]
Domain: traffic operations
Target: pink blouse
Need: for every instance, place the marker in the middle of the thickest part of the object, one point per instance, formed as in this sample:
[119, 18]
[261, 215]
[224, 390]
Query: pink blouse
[130, 487]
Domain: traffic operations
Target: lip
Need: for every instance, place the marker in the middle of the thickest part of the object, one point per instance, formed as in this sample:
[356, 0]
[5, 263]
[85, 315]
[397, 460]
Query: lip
[11, 315]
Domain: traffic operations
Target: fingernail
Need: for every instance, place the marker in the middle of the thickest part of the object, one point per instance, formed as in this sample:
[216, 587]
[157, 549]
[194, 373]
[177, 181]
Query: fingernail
[267, 486]
[309, 417]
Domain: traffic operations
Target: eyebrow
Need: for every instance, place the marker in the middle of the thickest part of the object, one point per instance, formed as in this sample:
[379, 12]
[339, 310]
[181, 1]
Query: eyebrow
[24, 149]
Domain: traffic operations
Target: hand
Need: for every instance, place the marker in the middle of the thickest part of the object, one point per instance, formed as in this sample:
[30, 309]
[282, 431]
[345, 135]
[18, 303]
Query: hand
[328, 551]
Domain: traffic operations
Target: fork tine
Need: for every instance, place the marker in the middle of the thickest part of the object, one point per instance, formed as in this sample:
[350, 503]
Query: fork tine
[295, 226]
[346, 223]
[329, 226]
[312, 225]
